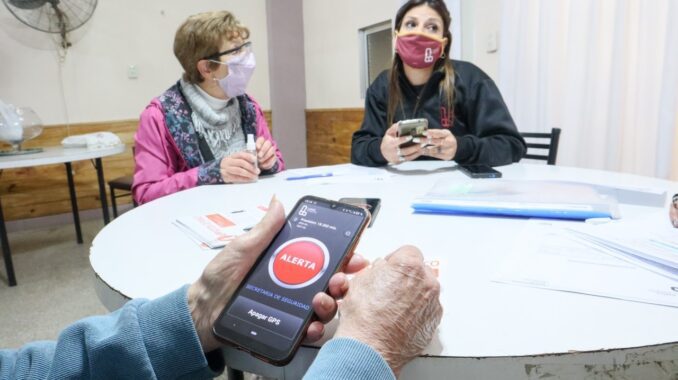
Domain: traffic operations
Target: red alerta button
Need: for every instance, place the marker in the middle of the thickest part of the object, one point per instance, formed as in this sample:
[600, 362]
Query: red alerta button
[299, 262]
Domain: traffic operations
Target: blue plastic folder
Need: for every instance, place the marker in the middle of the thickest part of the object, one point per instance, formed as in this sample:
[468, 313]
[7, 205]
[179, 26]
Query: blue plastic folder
[521, 198]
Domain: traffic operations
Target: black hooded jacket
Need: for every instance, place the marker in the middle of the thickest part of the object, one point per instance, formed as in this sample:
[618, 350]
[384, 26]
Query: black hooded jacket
[485, 131]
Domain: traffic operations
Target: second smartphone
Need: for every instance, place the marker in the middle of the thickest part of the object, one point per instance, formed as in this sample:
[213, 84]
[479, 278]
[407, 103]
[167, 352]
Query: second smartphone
[479, 171]
[270, 311]
[370, 204]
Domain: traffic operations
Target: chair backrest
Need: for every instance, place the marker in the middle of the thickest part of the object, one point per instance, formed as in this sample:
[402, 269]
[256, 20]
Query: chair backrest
[543, 141]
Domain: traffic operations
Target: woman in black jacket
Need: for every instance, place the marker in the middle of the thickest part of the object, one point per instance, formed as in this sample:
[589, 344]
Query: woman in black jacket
[468, 119]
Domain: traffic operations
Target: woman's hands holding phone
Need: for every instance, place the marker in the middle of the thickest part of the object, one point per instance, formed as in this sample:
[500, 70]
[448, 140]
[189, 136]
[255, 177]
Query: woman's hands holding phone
[209, 294]
[391, 150]
[443, 144]
[439, 143]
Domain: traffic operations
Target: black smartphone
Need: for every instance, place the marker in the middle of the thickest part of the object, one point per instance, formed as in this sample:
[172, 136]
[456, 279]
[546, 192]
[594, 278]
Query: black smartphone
[370, 204]
[413, 127]
[479, 171]
[270, 311]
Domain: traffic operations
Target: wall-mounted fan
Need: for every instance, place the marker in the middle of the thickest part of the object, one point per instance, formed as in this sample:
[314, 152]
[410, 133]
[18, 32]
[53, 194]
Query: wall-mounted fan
[53, 16]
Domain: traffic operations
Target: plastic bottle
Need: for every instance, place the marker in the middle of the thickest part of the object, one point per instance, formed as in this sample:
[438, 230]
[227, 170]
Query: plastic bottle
[252, 148]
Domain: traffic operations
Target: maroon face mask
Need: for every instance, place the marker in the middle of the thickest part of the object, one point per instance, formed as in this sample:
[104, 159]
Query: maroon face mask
[419, 50]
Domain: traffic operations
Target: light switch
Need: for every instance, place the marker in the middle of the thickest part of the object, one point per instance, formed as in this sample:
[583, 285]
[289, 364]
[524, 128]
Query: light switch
[132, 72]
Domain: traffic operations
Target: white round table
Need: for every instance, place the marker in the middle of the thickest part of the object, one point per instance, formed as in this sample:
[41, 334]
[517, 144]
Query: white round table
[489, 330]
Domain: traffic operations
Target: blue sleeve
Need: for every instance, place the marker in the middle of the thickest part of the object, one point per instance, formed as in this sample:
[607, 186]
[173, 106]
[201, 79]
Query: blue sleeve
[144, 339]
[344, 358]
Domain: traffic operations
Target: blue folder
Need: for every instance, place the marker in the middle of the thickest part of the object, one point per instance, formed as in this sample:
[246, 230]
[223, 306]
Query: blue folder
[521, 198]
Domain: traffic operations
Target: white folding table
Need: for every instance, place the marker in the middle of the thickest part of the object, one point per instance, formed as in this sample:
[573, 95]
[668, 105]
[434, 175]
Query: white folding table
[57, 155]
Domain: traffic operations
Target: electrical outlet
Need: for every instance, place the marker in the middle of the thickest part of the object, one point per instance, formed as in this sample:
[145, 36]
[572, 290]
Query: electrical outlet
[132, 72]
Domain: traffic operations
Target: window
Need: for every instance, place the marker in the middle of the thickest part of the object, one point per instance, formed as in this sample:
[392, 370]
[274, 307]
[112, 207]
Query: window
[376, 52]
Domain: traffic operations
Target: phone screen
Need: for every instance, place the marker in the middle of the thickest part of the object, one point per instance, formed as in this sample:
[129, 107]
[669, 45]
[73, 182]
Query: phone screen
[270, 311]
[414, 127]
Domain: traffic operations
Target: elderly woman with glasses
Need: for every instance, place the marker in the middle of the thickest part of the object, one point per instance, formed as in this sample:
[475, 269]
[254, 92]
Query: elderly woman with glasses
[196, 132]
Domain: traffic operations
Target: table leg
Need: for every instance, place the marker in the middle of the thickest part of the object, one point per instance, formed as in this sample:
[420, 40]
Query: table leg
[6, 254]
[74, 202]
[102, 189]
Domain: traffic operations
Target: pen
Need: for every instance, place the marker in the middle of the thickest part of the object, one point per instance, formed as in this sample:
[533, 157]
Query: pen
[309, 176]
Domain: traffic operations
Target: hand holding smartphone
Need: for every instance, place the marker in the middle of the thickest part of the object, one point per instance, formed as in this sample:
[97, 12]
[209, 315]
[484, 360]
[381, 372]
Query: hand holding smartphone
[270, 311]
[414, 127]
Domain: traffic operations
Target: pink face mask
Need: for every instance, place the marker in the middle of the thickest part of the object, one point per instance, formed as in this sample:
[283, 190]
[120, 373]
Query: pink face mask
[419, 50]
[240, 70]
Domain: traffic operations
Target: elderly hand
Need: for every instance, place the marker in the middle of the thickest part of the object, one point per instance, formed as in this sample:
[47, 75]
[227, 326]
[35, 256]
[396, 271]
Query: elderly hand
[444, 144]
[265, 153]
[209, 294]
[393, 307]
[239, 168]
[390, 147]
[673, 211]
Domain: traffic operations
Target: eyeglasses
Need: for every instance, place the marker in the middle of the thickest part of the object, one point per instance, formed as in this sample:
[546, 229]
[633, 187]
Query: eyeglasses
[247, 46]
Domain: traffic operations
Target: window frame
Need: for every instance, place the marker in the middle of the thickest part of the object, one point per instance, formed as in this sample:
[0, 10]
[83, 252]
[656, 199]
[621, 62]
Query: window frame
[363, 34]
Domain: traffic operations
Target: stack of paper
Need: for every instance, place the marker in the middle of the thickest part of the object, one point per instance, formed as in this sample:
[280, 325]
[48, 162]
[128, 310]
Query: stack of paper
[216, 229]
[650, 242]
[543, 199]
[548, 255]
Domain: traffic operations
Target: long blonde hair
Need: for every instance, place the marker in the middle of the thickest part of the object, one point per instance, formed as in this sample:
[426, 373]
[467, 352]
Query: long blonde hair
[395, 94]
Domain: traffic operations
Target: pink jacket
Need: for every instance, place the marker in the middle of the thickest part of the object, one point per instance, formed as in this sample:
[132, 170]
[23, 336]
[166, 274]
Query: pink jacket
[167, 157]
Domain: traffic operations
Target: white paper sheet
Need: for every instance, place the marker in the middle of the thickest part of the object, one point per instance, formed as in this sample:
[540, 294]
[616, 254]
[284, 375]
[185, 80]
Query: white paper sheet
[546, 255]
[215, 230]
[650, 241]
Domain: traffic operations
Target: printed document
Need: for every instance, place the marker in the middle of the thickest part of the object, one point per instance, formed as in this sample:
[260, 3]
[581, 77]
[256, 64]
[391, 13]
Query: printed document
[548, 255]
[650, 241]
[215, 230]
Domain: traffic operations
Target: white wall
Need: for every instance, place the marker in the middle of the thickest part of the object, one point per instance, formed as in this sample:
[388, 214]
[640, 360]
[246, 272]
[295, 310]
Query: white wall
[480, 19]
[121, 33]
[331, 45]
[126, 32]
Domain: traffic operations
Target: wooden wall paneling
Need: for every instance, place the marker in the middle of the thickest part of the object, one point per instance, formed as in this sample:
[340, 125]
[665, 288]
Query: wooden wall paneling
[269, 120]
[328, 135]
[43, 190]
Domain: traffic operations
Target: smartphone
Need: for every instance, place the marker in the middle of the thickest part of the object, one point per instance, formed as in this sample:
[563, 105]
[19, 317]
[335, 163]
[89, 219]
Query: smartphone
[370, 204]
[270, 311]
[479, 171]
[414, 127]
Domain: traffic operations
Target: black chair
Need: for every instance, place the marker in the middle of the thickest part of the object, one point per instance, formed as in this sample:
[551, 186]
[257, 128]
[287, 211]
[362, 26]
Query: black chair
[123, 183]
[550, 145]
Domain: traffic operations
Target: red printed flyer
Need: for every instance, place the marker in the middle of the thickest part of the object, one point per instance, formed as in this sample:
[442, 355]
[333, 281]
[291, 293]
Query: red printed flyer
[215, 230]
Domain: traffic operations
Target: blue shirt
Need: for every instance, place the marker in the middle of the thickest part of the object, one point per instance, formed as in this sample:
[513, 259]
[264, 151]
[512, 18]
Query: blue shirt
[157, 340]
